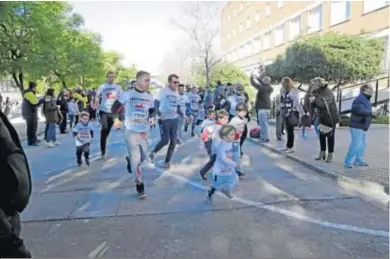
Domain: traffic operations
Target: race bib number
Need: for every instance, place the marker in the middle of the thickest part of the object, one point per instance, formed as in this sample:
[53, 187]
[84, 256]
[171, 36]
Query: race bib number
[84, 136]
[139, 117]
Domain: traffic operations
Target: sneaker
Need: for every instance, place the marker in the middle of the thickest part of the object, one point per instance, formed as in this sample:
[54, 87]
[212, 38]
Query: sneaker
[347, 166]
[87, 162]
[140, 190]
[203, 176]
[79, 163]
[178, 142]
[227, 193]
[287, 150]
[50, 144]
[241, 175]
[167, 165]
[192, 134]
[33, 145]
[360, 163]
[57, 143]
[210, 193]
[104, 156]
[128, 166]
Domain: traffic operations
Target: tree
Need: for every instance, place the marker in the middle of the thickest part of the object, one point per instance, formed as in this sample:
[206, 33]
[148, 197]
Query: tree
[25, 26]
[202, 26]
[337, 58]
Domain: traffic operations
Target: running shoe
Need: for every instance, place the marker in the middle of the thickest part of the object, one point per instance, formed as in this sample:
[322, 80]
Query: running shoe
[87, 162]
[140, 191]
[241, 175]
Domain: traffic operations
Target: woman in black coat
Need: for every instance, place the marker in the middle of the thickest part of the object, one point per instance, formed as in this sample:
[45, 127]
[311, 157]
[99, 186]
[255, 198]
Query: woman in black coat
[324, 102]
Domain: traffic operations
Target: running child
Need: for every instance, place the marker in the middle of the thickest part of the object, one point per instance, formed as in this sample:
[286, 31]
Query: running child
[206, 123]
[83, 134]
[212, 132]
[239, 122]
[224, 176]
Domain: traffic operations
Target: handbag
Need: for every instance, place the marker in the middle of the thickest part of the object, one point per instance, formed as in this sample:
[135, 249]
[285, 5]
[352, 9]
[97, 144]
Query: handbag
[326, 130]
[305, 121]
[293, 119]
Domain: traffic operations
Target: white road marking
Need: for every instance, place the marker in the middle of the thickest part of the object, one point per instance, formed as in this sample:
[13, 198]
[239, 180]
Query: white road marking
[283, 211]
[99, 251]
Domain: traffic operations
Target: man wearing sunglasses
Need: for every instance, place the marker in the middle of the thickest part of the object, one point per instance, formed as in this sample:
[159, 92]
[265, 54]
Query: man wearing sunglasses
[168, 109]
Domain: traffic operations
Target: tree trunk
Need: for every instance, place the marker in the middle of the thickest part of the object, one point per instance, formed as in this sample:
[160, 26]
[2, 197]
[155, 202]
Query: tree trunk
[63, 82]
[207, 69]
[18, 78]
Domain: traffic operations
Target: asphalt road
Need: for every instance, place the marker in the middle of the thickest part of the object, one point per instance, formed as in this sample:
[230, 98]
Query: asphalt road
[280, 210]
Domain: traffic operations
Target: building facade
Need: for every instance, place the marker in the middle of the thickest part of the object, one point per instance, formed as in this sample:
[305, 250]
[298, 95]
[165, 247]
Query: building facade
[259, 31]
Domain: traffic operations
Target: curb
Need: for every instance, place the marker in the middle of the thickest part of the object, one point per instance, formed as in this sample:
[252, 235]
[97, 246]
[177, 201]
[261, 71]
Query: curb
[370, 189]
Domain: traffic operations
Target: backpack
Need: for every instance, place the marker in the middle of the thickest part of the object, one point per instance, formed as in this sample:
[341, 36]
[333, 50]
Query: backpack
[254, 133]
[15, 178]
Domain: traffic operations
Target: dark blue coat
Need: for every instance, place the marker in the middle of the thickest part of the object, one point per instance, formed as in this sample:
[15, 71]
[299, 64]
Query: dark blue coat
[361, 113]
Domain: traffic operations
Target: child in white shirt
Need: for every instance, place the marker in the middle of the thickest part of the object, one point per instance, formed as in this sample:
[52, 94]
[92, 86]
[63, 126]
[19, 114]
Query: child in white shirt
[83, 134]
[206, 123]
[239, 122]
[224, 169]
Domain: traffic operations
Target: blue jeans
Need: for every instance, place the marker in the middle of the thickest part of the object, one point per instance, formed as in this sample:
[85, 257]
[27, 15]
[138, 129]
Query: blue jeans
[51, 132]
[357, 147]
[263, 123]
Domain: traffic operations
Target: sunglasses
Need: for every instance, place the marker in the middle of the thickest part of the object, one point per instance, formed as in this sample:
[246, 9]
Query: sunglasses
[175, 82]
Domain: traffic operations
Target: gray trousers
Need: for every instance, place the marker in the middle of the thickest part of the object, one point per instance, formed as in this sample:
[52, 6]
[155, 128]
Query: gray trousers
[279, 125]
[137, 145]
[180, 129]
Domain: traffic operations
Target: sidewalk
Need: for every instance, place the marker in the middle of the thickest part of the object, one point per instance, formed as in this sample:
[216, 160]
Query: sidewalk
[377, 154]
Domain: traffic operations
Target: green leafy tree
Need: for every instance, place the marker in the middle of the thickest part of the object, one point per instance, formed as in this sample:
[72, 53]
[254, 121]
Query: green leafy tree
[337, 58]
[25, 26]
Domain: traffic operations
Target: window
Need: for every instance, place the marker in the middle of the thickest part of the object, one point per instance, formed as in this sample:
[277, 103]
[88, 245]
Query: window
[315, 19]
[279, 35]
[257, 17]
[248, 22]
[257, 45]
[267, 10]
[241, 28]
[280, 4]
[267, 40]
[295, 28]
[372, 5]
[340, 11]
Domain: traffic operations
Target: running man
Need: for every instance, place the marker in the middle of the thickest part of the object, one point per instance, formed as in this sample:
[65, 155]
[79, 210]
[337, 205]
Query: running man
[194, 99]
[106, 95]
[139, 115]
[168, 109]
[184, 106]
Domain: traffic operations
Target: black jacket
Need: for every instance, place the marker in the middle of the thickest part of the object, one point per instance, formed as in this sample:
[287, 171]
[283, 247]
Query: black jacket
[263, 96]
[322, 95]
[15, 179]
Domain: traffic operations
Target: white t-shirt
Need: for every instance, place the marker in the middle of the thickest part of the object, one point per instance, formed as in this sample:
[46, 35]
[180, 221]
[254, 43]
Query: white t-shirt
[84, 135]
[206, 123]
[169, 100]
[183, 101]
[234, 100]
[108, 94]
[137, 105]
[224, 164]
[194, 101]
